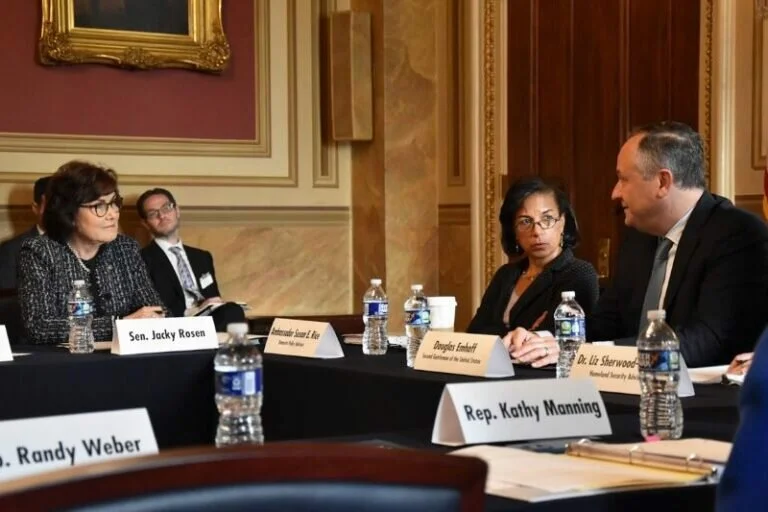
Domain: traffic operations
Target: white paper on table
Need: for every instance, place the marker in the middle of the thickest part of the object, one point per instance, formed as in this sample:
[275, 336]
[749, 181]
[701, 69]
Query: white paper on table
[708, 374]
[529, 476]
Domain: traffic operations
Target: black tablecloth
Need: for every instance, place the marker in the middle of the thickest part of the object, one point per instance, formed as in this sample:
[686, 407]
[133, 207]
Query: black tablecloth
[311, 398]
[176, 389]
[303, 398]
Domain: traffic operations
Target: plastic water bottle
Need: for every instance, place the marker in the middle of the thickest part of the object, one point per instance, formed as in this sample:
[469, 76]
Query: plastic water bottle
[239, 388]
[80, 304]
[416, 321]
[658, 360]
[375, 313]
[569, 331]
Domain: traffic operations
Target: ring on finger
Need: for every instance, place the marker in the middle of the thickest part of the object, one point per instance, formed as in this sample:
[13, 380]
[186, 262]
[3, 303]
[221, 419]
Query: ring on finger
[546, 351]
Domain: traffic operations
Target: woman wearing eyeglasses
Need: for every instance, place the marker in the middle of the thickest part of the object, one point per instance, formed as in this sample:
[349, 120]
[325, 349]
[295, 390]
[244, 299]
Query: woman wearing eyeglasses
[81, 241]
[538, 231]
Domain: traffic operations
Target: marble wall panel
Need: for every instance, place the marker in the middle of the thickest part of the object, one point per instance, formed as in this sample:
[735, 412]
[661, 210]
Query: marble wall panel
[282, 262]
[411, 184]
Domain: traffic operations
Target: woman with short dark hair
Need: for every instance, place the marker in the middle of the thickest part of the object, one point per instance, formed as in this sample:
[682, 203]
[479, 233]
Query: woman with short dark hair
[538, 232]
[81, 241]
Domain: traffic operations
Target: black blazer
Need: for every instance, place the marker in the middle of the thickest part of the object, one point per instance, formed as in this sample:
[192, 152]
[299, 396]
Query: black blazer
[167, 282]
[9, 257]
[564, 273]
[717, 296]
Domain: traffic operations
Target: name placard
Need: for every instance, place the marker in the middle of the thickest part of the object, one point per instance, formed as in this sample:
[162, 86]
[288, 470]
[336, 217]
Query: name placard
[304, 339]
[479, 355]
[492, 412]
[37, 445]
[150, 335]
[5, 346]
[614, 369]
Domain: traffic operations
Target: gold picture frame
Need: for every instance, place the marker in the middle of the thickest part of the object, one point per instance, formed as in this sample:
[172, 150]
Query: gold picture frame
[95, 40]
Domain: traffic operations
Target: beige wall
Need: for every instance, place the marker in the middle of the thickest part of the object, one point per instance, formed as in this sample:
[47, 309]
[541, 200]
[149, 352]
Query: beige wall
[737, 93]
[275, 217]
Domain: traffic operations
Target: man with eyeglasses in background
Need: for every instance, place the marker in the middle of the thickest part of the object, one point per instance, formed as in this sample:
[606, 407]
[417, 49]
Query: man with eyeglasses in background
[183, 275]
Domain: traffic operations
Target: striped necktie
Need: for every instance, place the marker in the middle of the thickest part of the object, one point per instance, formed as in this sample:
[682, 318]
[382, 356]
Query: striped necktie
[187, 281]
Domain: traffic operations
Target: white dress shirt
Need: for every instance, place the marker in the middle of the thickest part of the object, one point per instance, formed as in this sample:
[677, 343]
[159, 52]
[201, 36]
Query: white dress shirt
[674, 235]
[166, 247]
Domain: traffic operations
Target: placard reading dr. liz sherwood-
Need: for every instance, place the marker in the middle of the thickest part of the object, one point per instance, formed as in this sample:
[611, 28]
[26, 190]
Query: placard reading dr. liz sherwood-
[37, 445]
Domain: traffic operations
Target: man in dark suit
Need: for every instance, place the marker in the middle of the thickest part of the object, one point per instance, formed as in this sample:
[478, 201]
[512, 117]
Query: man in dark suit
[687, 251]
[9, 250]
[183, 275]
[10, 312]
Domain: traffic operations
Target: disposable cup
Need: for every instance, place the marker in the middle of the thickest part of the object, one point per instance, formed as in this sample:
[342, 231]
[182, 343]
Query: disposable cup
[442, 313]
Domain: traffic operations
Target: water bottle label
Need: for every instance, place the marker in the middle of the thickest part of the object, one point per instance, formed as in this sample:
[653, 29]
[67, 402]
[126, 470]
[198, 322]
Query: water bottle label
[417, 317]
[375, 308]
[567, 327]
[245, 383]
[80, 308]
[658, 360]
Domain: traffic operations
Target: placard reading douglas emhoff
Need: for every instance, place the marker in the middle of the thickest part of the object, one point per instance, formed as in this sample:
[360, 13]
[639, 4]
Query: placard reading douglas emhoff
[465, 354]
[37, 445]
[304, 339]
[514, 410]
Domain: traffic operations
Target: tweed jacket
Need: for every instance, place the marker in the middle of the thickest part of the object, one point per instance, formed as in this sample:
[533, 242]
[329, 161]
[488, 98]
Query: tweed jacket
[118, 281]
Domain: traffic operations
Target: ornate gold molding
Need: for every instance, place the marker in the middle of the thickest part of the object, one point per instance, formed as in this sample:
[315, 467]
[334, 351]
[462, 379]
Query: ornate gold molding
[489, 138]
[203, 48]
[170, 146]
[758, 101]
[705, 86]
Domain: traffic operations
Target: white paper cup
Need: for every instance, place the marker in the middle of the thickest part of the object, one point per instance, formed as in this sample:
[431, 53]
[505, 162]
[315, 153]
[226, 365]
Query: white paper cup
[442, 313]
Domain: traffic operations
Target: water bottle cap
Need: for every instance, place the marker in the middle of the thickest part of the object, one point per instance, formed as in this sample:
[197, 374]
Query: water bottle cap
[376, 281]
[568, 295]
[237, 328]
[79, 282]
[656, 314]
[416, 287]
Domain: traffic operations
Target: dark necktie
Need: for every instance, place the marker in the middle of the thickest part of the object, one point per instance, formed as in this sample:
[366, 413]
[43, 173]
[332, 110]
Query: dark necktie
[187, 281]
[655, 283]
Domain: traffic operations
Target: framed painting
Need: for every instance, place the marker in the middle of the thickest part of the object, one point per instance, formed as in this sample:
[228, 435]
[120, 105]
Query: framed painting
[139, 34]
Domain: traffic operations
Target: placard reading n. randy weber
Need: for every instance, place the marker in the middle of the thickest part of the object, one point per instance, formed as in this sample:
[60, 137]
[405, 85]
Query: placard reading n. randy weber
[465, 354]
[37, 445]
[150, 335]
[514, 410]
[304, 339]
[614, 369]
[5, 346]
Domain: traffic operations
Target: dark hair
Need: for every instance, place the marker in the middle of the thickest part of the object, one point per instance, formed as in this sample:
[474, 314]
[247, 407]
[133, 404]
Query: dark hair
[74, 183]
[40, 186]
[674, 146]
[521, 190]
[146, 195]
